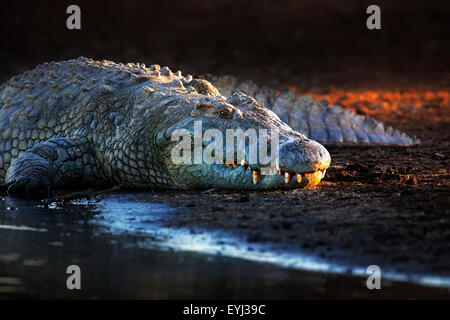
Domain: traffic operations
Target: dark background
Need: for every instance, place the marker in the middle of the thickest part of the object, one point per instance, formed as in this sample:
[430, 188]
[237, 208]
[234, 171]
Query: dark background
[306, 44]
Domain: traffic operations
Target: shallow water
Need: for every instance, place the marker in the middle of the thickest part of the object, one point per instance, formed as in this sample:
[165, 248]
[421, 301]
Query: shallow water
[126, 249]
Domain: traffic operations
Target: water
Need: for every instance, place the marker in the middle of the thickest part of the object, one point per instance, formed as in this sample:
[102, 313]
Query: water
[126, 249]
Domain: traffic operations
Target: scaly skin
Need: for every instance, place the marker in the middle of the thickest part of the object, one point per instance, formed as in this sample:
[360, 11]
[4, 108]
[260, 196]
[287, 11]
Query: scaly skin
[91, 123]
[315, 119]
[84, 122]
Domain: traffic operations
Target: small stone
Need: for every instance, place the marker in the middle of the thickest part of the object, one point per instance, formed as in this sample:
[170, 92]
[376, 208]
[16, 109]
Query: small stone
[412, 180]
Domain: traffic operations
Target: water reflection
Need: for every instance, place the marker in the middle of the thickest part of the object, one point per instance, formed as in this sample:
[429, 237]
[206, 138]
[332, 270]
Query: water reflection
[126, 250]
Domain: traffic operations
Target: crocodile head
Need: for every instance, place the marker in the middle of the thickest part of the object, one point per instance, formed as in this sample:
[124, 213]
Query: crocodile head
[201, 148]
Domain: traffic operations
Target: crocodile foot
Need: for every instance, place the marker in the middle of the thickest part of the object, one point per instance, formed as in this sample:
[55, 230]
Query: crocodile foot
[30, 187]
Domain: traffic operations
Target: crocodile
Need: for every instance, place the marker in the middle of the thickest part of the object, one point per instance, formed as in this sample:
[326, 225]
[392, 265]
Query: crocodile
[83, 122]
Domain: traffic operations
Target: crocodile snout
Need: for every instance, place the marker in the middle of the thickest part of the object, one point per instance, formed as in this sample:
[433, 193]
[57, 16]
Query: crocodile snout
[304, 156]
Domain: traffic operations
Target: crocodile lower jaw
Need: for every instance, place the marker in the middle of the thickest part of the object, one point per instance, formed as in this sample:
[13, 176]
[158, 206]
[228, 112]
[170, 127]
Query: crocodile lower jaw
[311, 178]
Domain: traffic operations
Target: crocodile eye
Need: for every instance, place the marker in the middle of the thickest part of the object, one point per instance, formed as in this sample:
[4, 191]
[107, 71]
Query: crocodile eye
[226, 113]
[208, 110]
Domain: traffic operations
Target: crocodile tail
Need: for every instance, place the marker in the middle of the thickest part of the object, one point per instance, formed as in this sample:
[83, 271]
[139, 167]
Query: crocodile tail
[318, 121]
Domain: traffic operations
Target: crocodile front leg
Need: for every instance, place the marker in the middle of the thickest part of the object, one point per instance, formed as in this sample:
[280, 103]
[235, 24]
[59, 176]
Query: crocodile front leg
[57, 162]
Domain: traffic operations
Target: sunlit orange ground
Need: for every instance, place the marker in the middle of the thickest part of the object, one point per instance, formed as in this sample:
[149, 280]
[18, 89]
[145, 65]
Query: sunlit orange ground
[435, 105]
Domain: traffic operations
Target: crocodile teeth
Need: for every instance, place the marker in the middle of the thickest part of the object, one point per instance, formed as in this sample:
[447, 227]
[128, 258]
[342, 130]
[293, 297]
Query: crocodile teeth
[234, 165]
[287, 177]
[299, 177]
[322, 173]
[256, 176]
[228, 165]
